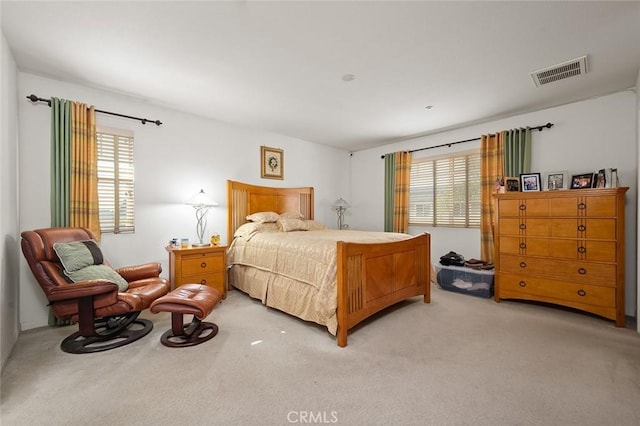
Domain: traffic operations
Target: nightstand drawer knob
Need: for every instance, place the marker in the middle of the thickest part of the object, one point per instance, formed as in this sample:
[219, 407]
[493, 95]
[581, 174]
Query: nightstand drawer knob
[582, 228]
[203, 265]
[523, 226]
[203, 281]
[582, 271]
[582, 206]
[523, 207]
[523, 246]
[582, 249]
[523, 265]
[522, 284]
[582, 293]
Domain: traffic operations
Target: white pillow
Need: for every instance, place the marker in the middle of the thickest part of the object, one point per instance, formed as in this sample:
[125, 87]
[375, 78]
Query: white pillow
[263, 217]
[313, 225]
[288, 225]
[250, 229]
[291, 215]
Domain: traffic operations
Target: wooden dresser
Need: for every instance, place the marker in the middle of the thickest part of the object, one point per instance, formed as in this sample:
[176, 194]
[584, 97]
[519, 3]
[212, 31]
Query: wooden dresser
[563, 247]
[199, 265]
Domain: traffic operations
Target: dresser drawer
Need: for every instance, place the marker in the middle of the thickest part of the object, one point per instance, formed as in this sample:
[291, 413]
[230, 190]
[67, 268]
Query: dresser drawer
[603, 274]
[596, 229]
[525, 246]
[202, 264]
[576, 293]
[599, 251]
[585, 206]
[526, 227]
[530, 207]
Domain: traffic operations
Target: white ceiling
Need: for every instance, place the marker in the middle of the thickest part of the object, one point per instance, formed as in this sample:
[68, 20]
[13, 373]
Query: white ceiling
[278, 66]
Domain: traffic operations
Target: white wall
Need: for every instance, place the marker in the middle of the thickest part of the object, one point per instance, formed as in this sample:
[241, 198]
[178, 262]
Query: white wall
[587, 136]
[172, 162]
[9, 247]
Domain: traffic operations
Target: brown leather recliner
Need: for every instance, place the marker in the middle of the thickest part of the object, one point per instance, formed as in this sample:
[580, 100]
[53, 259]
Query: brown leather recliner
[107, 318]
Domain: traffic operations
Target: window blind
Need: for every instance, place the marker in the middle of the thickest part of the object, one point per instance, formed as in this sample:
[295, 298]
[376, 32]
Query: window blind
[116, 182]
[445, 191]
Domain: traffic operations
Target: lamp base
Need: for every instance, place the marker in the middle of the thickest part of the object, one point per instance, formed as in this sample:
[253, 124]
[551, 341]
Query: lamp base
[200, 244]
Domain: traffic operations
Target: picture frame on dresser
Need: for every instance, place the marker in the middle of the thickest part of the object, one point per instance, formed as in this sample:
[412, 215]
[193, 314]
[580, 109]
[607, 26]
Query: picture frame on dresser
[582, 181]
[557, 180]
[512, 184]
[530, 182]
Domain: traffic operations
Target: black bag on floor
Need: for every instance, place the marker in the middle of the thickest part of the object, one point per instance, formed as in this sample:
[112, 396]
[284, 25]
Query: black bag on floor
[452, 258]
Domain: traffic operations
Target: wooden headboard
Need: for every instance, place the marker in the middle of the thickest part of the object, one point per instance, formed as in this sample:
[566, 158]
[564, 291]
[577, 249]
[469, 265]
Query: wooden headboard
[244, 199]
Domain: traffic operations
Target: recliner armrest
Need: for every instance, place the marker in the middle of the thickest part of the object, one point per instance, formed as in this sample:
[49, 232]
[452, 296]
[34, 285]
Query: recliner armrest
[81, 289]
[139, 272]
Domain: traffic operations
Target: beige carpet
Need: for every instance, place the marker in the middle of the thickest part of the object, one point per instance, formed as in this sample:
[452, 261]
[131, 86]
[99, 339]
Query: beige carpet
[458, 361]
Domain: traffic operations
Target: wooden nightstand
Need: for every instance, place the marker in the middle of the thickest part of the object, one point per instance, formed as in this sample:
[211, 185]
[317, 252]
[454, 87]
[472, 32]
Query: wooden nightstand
[199, 265]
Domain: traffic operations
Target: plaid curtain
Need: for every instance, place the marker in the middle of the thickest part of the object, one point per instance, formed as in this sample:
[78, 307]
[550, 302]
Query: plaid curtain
[396, 185]
[401, 192]
[492, 169]
[84, 169]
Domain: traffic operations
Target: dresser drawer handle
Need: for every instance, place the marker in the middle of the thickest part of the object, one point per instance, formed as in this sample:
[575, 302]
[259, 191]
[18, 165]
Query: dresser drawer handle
[203, 265]
[582, 293]
[523, 207]
[582, 228]
[523, 246]
[582, 206]
[523, 265]
[582, 271]
[582, 249]
[203, 281]
[522, 284]
[523, 226]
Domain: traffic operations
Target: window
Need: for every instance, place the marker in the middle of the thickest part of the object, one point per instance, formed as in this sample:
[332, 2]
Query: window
[445, 191]
[115, 181]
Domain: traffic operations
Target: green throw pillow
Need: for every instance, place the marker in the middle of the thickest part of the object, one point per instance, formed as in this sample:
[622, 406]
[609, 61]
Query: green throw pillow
[98, 272]
[78, 254]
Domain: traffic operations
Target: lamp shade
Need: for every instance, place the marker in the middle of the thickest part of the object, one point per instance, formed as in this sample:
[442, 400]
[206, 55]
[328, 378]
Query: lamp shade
[340, 203]
[201, 199]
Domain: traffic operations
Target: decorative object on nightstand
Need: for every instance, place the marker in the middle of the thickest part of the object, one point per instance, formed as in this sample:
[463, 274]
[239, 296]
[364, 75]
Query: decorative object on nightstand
[340, 206]
[199, 265]
[201, 202]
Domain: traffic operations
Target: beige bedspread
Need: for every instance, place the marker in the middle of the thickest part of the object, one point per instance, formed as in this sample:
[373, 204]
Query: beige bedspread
[305, 257]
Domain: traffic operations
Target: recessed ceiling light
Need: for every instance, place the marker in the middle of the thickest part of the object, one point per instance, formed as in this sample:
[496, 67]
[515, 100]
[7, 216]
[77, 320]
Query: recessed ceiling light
[348, 77]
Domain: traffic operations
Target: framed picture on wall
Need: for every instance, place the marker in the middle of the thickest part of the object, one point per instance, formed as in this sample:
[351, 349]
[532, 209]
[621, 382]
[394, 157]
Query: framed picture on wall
[582, 181]
[530, 182]
[271, 163]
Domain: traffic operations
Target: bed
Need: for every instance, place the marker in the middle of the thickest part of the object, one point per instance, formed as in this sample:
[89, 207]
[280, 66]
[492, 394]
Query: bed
[347, 275]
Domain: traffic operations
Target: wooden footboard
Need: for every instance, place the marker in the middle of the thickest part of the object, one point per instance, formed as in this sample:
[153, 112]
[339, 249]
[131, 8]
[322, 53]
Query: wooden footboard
[372, 277]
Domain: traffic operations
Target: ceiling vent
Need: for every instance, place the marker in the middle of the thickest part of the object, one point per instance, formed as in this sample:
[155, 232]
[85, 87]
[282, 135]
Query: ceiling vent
[572, 68]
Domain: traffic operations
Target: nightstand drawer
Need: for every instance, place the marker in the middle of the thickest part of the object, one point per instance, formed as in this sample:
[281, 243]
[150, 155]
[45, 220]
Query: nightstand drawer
[212, 280]
[202, 264]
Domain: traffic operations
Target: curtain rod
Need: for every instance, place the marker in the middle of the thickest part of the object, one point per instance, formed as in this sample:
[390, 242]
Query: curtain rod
[540, 128]
[34, 99]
